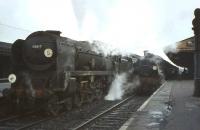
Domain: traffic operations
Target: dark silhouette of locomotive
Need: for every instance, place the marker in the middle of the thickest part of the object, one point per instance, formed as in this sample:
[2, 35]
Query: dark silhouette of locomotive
[56, 72]
[149, 77]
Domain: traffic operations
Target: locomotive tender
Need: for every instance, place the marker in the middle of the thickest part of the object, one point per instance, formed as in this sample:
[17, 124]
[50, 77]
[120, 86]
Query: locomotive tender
[56, 71]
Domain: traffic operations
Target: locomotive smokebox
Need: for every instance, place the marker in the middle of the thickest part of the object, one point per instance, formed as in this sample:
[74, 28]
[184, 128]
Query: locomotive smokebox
[196, 29]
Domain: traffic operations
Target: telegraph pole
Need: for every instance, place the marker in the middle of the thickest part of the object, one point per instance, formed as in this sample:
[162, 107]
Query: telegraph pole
[196, 29]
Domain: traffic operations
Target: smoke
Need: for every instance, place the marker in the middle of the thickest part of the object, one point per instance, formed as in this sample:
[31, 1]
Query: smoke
[99, 47]
[131, 26]
[171, 48]
[104, 48]
[121, 86]
[156, 59]
[130, 87]
[126, 25]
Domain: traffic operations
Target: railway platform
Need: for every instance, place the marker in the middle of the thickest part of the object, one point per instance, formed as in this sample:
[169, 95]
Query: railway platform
[171, 107]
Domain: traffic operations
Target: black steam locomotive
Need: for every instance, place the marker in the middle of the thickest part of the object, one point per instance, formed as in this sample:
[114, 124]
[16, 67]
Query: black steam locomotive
[56, 72]
[148, 71]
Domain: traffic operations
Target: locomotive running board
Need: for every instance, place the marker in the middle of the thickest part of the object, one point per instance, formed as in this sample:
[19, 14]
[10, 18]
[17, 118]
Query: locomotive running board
[87, 73]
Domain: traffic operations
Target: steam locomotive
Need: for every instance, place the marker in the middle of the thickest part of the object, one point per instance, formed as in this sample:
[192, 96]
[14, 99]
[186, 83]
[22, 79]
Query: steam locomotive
[58, 72]
[149, 76]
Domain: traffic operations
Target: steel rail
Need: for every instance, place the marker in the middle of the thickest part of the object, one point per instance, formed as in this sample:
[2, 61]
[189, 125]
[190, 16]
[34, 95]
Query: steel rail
[102, 113]
[21, 116]
[33, 123]
[15, 117]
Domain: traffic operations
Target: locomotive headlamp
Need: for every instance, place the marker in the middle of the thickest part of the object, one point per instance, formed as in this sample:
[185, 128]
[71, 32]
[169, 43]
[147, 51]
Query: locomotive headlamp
[48, 52]
[12, 78]
[155, 68]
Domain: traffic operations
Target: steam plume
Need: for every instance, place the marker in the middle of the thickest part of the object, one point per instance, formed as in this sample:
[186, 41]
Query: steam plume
[171, 48]
[116, 92]
[122, 85]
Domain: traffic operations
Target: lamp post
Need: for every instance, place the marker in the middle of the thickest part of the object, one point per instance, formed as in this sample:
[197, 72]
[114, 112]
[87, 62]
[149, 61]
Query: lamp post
[196, 29]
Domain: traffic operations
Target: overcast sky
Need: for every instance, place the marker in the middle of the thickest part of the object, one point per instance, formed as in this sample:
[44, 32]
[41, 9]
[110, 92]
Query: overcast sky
[128, 25]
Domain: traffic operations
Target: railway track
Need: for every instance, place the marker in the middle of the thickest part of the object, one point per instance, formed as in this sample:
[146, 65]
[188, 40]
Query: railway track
[21, 122]
[113, 117]
[107, 117]
[75, 117]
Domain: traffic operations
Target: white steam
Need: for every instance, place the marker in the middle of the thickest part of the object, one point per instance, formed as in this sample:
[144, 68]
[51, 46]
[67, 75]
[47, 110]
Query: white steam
[130, 87]
[171, 48]
[181, 70]
[104, 48]
[116, 92]
[129, 25]
[121, 86]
